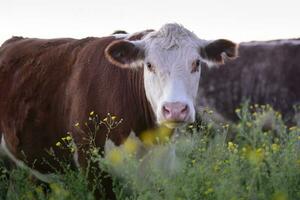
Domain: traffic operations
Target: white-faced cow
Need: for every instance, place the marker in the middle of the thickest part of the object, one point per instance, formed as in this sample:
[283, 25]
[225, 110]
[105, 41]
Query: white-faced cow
[264, 73]
[46, 86]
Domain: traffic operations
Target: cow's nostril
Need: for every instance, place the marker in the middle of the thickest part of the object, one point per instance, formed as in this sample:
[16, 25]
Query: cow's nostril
[185, 109]
[165, 109]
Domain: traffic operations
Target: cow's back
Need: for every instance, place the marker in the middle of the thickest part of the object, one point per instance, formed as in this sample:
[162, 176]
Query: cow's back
[264, 73]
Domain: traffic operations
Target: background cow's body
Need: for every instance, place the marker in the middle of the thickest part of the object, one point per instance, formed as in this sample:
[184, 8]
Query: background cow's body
[264, 73]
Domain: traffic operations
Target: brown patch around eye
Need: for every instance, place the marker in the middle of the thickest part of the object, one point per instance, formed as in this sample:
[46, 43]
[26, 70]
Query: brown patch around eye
[195, 66]
[150, 67]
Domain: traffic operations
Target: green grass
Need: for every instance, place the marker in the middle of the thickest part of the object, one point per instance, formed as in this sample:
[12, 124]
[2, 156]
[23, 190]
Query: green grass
[262, 162]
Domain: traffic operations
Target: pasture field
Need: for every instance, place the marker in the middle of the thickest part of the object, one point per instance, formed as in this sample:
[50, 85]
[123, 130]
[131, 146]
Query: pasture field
[261, 162]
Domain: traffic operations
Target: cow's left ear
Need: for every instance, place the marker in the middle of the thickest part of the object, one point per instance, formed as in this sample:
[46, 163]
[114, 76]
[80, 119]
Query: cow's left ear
[125, 54]
[219, 50]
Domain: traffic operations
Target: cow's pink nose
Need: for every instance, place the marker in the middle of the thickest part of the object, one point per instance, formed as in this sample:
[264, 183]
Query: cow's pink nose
[175, 111]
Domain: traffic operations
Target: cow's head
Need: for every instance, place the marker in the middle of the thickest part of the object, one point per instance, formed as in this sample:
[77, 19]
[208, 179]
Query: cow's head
[171, 58]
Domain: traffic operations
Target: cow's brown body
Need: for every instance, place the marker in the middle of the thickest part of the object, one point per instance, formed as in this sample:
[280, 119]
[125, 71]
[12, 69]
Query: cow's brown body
[49, 85]
[264, 73]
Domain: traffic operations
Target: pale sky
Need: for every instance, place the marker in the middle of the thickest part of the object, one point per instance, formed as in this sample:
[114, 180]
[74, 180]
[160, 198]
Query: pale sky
[238, 20]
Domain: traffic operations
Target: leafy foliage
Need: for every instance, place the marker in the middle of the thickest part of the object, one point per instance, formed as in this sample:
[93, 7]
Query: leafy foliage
[198, 162]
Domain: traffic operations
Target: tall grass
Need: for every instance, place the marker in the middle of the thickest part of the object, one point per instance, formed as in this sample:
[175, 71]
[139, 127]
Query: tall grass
[198, 162]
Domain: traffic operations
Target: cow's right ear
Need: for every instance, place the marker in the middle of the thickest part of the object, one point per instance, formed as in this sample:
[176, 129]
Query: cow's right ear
[217, 51]
[125, 54]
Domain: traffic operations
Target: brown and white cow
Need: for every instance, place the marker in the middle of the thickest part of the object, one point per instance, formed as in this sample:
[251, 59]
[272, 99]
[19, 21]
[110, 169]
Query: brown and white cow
[264, 73]
[46, 86]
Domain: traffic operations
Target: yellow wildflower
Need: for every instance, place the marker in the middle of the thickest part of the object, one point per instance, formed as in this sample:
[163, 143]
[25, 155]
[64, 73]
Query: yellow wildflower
[113, 117]
[259, 150]
[293, 128]
[208, 191]
[256, 156]
[91, 113]
[58, 144]
[237, 110]
[115, 156]
[217, 167]
[232, 147]
[230, 144]
[279, 196]
[163, 133]
[226, 126]
[130, 146]
[275, 147]
[95, 151]
[77, 124]
[148, 138]
[249, 124]
[68, 138]
[278, 115]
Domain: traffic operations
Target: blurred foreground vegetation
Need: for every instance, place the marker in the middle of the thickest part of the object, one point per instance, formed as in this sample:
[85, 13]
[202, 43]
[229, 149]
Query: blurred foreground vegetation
[262, 161]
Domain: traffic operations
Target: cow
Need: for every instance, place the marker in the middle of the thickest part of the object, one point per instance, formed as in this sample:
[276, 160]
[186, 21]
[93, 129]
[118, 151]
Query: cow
[119, 32]
[49, 85]
[264, 73]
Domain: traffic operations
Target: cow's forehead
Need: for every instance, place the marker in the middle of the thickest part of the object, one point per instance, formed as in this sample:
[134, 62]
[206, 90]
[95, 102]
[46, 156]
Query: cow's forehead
[172, 44]
[171, 36]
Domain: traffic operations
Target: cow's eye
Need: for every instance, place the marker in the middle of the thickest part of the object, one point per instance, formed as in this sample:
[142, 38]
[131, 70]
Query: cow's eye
[196, 66]
[150, 67]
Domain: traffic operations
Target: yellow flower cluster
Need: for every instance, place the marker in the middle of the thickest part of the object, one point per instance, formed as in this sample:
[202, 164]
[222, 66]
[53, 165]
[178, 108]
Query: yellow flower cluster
[293, 128]
[66, 142]
[237, 110]
[115, 156]
[208, 191]
[67, 138]
[130, 146]
[256, 156]
[159, 135]
[58, 144]
[280, 196]
[232, 147]
[275, 147]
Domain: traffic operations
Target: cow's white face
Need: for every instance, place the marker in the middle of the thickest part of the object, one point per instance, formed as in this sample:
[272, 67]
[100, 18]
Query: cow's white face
[171, 58]
[171, 77]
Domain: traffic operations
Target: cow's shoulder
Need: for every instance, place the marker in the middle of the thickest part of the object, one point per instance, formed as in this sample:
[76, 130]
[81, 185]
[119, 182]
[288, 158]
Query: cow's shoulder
[13, 39]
